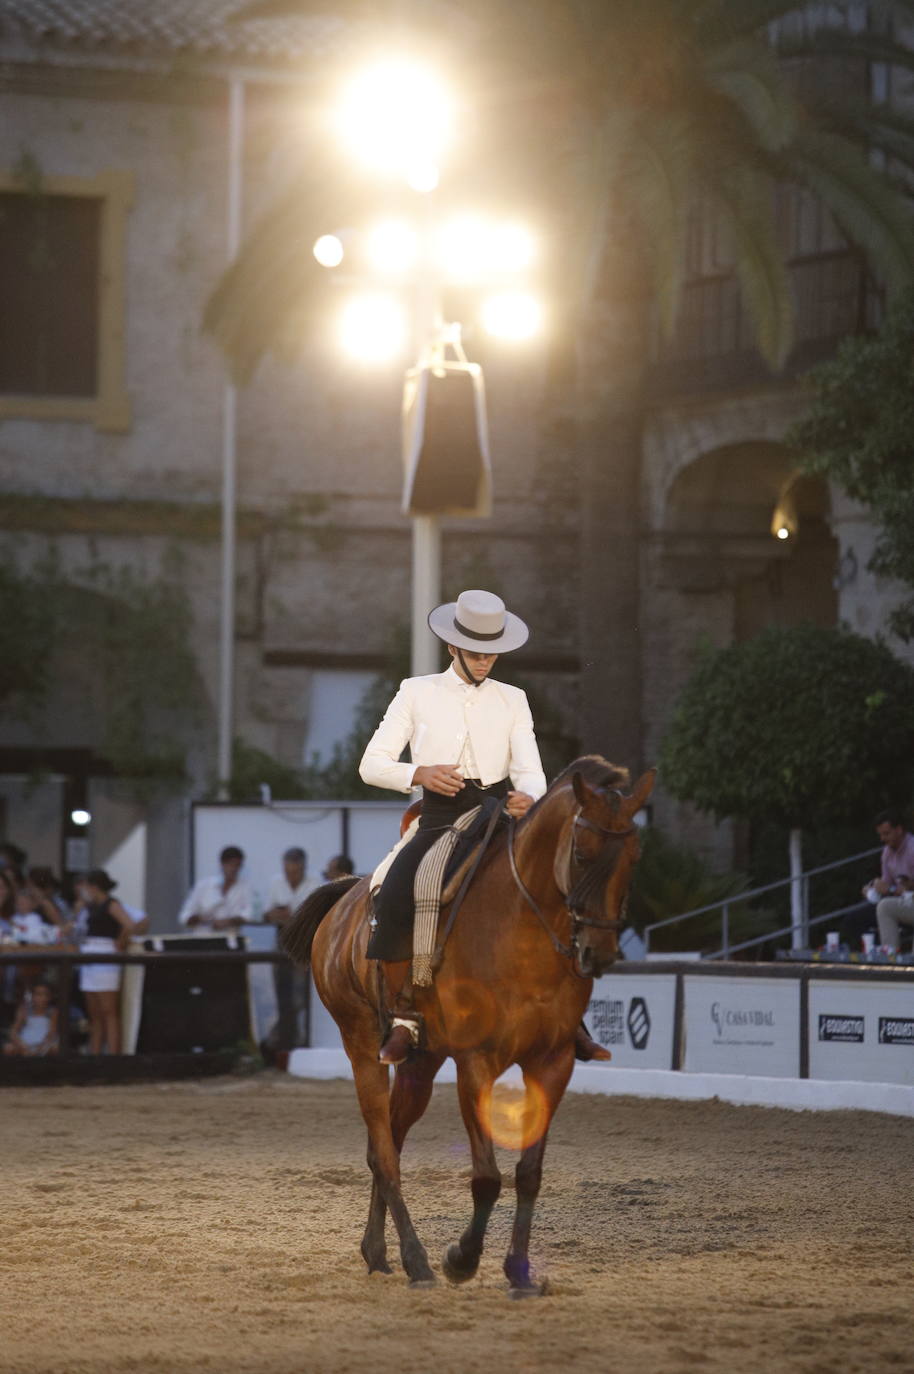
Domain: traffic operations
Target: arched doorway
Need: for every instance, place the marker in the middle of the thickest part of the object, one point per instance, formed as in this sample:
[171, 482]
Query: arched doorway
[743, 521]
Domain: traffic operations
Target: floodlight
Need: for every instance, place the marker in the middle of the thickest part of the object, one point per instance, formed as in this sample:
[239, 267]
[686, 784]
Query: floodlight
[80, 816]
[512, 315]
[511, 248]
[392, 247]
[373, 328]
[328, 250]
[463, 248]
[396, 116]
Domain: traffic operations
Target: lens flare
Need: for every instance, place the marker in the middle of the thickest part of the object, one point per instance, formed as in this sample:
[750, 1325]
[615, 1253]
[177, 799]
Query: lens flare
[514, 1118]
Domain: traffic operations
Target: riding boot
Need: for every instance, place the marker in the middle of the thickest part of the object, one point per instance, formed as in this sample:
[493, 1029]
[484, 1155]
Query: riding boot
[404, 1022]
[586, 1048]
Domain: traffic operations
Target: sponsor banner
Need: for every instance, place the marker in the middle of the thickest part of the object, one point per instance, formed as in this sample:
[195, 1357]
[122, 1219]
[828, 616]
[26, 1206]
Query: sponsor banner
[861, 1031]
[633, 1018]
[742, 1025]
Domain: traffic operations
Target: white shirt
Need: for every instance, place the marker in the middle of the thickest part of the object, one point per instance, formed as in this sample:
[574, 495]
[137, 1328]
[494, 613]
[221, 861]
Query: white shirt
[207, 900]
[282, 893]
[445, 720]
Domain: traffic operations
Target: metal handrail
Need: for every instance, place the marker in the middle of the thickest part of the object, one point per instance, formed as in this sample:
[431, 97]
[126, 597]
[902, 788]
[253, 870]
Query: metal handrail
[724, 904]
[727, 951]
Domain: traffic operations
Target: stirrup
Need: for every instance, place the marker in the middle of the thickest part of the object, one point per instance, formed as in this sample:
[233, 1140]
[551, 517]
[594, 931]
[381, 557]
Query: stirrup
[412, 1024]
[401, 1039]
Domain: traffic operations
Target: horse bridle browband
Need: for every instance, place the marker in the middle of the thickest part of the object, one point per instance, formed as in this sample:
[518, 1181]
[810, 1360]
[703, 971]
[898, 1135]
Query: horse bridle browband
[578, 918]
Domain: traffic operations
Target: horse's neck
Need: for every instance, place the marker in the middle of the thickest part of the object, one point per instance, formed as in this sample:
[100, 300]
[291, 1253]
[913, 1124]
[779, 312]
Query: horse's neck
[537, 840]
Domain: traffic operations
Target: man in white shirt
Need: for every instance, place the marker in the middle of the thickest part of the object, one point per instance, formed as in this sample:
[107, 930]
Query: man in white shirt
[222, 904]
[287, 892]
[469, 738]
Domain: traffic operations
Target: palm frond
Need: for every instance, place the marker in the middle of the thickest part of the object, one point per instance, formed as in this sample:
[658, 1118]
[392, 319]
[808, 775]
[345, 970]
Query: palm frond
[276, 275]
[866, 204]
[749, 76]
[744, 199]
[658, 183]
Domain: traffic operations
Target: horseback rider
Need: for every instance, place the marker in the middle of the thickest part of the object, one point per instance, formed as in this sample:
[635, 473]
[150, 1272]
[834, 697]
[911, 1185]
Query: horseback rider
[470, 738]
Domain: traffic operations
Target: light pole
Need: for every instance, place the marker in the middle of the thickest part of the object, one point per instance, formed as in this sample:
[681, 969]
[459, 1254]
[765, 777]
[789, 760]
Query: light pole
[396, 117]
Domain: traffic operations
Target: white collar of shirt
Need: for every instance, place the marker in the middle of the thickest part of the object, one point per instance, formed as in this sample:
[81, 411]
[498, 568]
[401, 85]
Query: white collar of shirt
[454, 680]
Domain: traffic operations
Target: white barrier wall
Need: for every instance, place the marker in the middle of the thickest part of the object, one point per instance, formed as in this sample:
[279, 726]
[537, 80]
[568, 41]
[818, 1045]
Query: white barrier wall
[861, 1032]
[634, 1017]
[742, 1025]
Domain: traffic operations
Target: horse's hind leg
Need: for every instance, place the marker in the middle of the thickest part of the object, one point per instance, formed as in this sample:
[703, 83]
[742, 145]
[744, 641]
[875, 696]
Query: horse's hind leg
[474, 1086]
[409, 1099]
[384, 1160]
[545, 1087]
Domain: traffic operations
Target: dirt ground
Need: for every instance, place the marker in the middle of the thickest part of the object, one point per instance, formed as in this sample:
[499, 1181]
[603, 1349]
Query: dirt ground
[216, 1224]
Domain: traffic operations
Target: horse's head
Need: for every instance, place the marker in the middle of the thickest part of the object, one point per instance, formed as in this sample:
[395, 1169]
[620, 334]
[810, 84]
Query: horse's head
[600, 853]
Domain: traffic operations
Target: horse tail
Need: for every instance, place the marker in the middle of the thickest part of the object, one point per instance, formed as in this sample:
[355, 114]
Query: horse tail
[297, 937]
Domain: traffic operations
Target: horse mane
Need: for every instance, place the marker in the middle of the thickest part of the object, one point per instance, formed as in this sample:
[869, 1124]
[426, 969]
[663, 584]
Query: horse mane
[596, 772]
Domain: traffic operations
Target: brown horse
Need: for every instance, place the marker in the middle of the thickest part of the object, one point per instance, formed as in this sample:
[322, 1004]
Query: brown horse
[540, 920]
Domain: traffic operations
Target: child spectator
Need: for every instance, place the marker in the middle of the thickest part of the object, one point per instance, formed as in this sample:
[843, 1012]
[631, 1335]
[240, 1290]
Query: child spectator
[34, 1031]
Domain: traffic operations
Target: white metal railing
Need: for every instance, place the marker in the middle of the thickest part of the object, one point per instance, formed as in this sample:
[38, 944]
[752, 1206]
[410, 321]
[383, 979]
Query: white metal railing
[739, 898]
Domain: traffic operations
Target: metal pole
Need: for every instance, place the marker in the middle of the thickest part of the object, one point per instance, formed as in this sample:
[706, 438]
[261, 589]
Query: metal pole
[229, 456]
[426, 592]
[428, 322]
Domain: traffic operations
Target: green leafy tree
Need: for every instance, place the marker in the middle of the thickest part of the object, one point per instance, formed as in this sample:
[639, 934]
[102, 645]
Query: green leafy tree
[134, 633]
[800, 727]
[859, 433]
[611, 123]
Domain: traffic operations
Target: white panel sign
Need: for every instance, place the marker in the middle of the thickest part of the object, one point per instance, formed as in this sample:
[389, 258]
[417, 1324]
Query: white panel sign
[861, 1031]
[265, 832]
[633, 1017]
[742, 1025]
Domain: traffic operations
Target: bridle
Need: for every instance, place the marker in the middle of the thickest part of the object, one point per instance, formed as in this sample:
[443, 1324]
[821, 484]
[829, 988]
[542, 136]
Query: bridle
[579, 919]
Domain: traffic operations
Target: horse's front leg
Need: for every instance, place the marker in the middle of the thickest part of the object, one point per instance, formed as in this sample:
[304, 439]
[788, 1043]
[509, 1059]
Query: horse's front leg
[546, 1083]
[411, 1093]
[384, 1160]
[475, 1077]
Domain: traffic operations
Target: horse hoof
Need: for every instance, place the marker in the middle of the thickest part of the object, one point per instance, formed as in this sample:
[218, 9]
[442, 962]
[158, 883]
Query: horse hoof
[379, 1269]
[417, 1284]
[533, 1290]
[455, 1267]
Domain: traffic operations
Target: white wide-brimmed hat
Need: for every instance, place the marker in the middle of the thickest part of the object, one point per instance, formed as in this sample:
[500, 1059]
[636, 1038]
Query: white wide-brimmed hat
[478, 621]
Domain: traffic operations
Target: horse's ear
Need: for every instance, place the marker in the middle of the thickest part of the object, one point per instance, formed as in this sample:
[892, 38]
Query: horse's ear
[642, 790]
[581, 790]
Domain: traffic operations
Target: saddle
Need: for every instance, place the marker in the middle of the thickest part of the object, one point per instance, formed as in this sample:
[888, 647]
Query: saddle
[444, 877]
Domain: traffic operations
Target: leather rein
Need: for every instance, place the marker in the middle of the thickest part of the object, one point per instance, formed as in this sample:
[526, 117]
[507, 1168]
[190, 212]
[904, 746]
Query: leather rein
[572, 950]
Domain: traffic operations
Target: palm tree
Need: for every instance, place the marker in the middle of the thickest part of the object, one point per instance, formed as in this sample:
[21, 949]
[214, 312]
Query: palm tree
[617, 118]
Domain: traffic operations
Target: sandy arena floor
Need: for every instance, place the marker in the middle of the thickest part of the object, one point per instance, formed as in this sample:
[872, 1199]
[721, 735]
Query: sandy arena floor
[215, 1225]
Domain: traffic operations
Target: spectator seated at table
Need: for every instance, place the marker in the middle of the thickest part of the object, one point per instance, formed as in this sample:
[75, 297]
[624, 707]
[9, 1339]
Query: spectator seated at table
[34, 1030]
[222, 904]
[893, 890]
